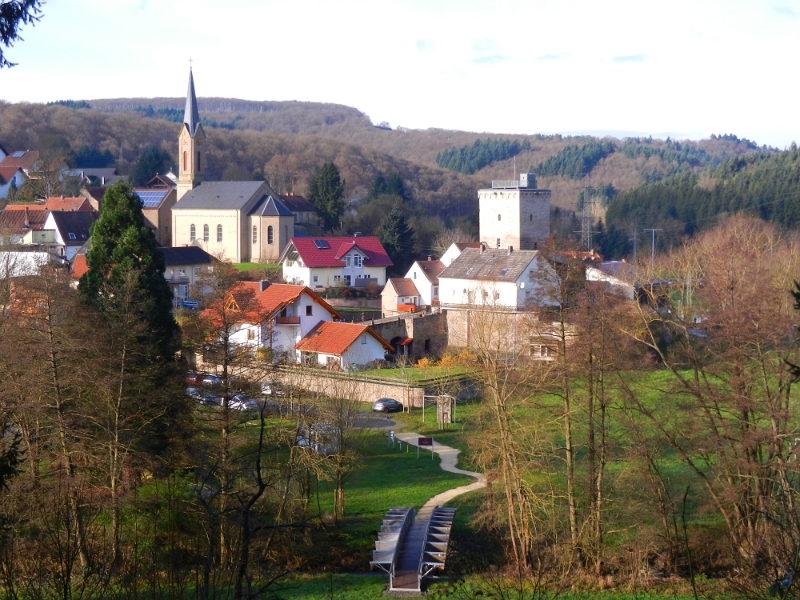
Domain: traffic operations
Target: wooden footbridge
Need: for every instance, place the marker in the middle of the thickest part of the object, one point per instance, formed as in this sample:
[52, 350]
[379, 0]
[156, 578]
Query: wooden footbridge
[410, 548]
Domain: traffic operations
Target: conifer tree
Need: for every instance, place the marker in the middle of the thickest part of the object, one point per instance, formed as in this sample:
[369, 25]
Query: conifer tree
[121, 244]
[398, 238]
[326, 193]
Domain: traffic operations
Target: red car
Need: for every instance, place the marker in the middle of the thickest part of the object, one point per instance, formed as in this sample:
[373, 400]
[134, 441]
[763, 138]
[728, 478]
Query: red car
[192, 377]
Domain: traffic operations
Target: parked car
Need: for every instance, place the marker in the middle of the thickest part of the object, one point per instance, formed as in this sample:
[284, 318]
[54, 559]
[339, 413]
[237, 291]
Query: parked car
[193, 392]
[271, 388]
[192, 377]
[209, 398]
[322, 438]
[387, 405]
[212, 380]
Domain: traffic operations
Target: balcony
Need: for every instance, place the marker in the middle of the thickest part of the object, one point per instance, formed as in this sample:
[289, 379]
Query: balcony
[287, 320]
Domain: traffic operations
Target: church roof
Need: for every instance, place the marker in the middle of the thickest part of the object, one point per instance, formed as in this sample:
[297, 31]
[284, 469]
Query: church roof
[268, 206]
[225, 195]
[191, 115]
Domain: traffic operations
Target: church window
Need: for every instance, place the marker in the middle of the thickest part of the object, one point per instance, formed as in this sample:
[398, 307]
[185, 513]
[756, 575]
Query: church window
[531, 218]
[499, 217]
[219, 233]
[205, 233]
[192, 232]
[269, 234]
[185, 161]
[255, 234]
[198, 160]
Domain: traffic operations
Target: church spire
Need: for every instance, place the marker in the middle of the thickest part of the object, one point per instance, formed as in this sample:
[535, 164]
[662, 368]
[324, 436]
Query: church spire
[191, 116]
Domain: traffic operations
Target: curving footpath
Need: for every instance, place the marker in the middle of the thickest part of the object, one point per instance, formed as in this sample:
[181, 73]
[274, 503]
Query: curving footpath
[449, 457]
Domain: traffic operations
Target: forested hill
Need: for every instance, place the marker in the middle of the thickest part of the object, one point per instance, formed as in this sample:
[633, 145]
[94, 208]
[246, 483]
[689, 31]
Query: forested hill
[766, 185]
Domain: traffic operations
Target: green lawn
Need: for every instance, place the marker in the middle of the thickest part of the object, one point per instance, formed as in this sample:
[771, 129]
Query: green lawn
[244, 267]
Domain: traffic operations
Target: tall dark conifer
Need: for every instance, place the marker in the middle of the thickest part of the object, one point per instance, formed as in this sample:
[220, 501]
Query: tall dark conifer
[398, 238]
[122, 244]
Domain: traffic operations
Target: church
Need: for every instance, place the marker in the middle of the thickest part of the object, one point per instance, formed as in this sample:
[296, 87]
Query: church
[239, 221]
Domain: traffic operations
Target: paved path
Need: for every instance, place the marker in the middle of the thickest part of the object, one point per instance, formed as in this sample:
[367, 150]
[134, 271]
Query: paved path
[449, 458]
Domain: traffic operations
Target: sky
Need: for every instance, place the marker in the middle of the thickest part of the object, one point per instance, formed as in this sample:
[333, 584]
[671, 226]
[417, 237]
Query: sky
[679, 68]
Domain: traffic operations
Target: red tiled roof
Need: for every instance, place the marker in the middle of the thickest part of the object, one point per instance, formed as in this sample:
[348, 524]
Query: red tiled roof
[330, 337]
[26, 161]
[69, 204]
[79, 267]
[431, 268]
[6, 173]
[337, 248]
[404, 286]
[21, 221]
[25, 206]
[270, 301]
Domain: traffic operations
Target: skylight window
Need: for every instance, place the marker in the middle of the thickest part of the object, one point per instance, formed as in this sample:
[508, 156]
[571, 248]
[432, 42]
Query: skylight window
[469, 271]
[18, 154]
[503, 272]
[72, 236]
[321, 244]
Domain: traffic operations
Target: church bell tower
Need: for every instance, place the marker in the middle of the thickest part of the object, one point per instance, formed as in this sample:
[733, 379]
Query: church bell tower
[191, 145]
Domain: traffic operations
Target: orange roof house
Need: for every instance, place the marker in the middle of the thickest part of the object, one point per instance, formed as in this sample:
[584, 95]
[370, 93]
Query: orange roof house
[342, 346]
[258, 314]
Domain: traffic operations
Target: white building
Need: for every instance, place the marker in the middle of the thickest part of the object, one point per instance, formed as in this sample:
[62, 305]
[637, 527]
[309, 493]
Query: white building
[335, 261]
[425, 275]
[342, 346]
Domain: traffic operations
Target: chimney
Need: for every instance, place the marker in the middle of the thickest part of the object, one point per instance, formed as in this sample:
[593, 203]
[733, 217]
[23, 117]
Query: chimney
[429, 257]
[510, 250]
[483, 247]
[357, 234]
[262, 285]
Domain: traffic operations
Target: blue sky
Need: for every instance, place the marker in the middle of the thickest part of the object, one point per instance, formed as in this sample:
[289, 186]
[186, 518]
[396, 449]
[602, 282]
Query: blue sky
[685, 68]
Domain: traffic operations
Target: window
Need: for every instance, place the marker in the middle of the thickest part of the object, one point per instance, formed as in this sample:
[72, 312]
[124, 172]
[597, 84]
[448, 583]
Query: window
[364, 338]
[357, 260]
[269, 235]
[498, 242]
[205, 233]
[71, 236]
[499, 217]
[185, 161]
[497, 295]
[435, 292]
[286, 231]
[347, 260]
[197, 270]
[347, 279]
[181, 272]
[316, 278]
[531, 218]
[415, 274]
[251, 335]
[255, 234]
[192, 233]
[219, 233]
[309, 310]
[530, 275]
[337, 277]
[198, 161]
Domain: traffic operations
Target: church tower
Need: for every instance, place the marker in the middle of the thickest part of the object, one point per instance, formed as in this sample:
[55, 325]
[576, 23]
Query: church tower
[191, 145]
[514, 214]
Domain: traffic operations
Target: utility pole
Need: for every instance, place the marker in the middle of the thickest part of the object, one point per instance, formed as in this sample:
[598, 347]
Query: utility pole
[653, 247]
[634, 247]
[589, 202]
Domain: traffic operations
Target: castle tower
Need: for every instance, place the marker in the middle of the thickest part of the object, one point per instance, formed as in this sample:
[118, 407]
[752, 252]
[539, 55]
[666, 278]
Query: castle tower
[514, 213]
[191, 145]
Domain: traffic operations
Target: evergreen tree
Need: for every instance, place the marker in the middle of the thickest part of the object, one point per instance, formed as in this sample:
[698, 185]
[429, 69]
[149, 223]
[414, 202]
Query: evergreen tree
[121, 245]
[326, 193]
[152, 161]
[398, 238]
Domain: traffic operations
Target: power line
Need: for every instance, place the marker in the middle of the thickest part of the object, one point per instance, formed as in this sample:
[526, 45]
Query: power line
[653, 247]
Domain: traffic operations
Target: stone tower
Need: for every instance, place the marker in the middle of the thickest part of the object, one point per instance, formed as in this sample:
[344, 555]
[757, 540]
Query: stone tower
[514, 213]
[191, 145]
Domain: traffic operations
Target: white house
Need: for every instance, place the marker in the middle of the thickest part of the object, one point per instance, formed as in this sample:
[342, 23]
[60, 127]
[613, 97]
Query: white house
[509, 279]
[275, 316]
[71, 230]
[425, 275]
[335, 261]
[342, 346]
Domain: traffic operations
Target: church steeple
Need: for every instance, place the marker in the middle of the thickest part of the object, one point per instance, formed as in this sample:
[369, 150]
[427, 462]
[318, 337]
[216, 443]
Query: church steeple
[191, 116]
[191, 145]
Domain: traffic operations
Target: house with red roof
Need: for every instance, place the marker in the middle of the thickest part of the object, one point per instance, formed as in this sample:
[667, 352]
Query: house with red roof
[425, 275]
[341, 346]
[399, 295]
[16, 167]
[275, 316]
[335, 261]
